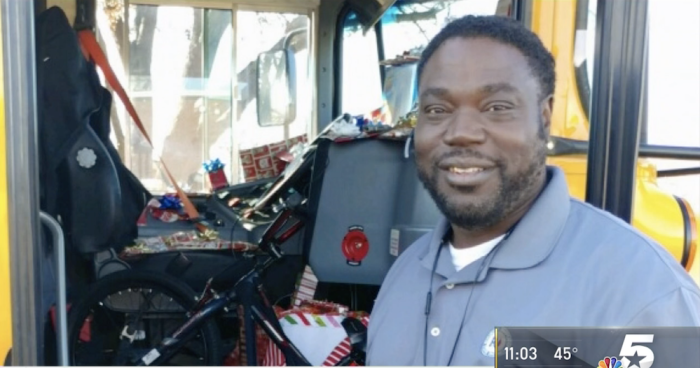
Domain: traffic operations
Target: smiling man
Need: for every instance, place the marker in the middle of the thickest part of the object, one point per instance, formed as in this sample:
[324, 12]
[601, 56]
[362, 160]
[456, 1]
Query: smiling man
[513, 249]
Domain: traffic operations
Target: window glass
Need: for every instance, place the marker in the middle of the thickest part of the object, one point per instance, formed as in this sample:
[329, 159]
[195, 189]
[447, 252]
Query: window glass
[179, 80]
[674, 88]
[673, 83]
[177, 64]
[259, 32]
[411, 26]
[405, 27]
[361, 81]
[408, 28]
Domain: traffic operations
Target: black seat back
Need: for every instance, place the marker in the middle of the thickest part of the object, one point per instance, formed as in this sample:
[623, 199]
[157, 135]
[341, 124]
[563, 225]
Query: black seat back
[83, 181]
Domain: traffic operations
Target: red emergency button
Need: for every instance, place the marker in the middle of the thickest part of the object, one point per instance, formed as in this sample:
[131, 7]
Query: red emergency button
[355, 245]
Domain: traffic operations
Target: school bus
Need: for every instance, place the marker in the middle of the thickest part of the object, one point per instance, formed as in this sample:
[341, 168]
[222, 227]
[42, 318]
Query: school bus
[189, 66]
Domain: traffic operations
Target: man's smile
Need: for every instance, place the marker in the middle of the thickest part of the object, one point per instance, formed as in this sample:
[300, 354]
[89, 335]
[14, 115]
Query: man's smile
[461, 172]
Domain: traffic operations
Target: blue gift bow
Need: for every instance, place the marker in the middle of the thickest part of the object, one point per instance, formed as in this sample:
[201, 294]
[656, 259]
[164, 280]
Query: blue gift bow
[361, 121]
[170, 202]
[213, 165]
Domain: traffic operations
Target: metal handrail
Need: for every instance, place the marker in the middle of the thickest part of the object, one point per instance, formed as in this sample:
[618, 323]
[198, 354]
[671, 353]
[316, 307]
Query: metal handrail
[61, 308]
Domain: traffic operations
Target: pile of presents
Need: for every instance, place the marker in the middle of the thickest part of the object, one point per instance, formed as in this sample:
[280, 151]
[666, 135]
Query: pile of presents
[314, 327]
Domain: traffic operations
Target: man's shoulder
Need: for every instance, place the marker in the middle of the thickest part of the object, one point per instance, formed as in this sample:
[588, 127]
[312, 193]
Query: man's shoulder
[591, 223]
[614, 243]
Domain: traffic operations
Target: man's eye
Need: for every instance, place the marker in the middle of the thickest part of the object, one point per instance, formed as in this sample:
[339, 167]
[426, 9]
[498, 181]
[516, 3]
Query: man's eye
[433, 110]
[498, 107]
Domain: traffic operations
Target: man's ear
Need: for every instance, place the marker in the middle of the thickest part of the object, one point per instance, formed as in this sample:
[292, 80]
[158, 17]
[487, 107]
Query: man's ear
[547, 108]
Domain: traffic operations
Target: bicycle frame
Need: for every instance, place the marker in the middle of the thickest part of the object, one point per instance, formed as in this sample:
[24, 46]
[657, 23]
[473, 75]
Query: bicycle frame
[245, 290]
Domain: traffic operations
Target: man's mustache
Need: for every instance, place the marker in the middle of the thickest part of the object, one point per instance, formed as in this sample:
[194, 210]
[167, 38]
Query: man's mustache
[467, 153]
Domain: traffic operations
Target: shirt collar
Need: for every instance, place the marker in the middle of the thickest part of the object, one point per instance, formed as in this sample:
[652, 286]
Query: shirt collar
[532, 239]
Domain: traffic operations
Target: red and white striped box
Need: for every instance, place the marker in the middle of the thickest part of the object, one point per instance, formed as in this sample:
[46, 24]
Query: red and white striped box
[320, 337]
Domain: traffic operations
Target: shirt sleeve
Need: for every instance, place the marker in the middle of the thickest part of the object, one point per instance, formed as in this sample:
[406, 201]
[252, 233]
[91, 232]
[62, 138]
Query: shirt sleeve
[674, 348]
[680, 307]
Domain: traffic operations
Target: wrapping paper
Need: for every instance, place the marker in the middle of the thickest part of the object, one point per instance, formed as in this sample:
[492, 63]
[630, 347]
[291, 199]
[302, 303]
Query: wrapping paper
[306, 287]
[215, 172]
[265, 161]
[185, 241]
[168, 209]
[315, 329]
[217, 179]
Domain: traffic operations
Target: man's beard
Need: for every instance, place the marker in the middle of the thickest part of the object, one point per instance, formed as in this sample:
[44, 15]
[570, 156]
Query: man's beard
[513, 190]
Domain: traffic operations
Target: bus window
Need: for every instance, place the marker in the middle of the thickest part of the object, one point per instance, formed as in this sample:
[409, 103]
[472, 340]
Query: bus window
[407, 26]
[361, 81]
[262, 31]
[179, 71]
[673, 92]
[674, 88]
[673, 79]
[411, 26]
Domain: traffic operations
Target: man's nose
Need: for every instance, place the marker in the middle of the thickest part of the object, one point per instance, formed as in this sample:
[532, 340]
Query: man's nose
[465, 129]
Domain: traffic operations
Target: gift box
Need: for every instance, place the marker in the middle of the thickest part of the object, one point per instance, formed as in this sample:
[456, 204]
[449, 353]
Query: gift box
[266, 161]
[315, 329]
[168, 208]
[215, 172]
[313, 326]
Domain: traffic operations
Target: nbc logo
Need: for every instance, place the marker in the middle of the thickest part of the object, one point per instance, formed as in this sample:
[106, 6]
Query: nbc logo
[633, 353]
[610, 363]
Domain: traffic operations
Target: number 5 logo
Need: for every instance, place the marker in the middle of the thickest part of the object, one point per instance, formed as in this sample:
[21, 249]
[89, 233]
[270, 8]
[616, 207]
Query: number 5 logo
[629, 349]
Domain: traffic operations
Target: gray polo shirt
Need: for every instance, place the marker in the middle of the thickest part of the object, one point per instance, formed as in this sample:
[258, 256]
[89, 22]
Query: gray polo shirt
[565, 264]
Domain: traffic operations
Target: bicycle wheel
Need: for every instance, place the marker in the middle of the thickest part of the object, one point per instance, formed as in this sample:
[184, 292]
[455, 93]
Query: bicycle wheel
[97, 322]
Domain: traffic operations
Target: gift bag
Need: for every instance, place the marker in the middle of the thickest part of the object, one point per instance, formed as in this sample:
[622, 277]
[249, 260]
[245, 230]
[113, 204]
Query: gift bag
[215, 173]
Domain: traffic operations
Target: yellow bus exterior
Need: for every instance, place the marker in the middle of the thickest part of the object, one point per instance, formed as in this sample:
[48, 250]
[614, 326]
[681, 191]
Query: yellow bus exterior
[5, 298]
[656, 213]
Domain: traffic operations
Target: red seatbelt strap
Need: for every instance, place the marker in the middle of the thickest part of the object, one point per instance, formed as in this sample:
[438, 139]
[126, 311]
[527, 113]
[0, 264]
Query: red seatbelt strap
[92, 51]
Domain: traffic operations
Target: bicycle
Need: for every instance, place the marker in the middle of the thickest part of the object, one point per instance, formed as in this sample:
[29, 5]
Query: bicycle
[200, 312]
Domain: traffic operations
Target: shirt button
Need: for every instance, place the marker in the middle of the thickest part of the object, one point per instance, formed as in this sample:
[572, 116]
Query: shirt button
[435, 331]
[450, 286]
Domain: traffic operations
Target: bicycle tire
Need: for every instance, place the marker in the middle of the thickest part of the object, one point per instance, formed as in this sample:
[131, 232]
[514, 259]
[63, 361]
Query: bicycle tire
[130, 279]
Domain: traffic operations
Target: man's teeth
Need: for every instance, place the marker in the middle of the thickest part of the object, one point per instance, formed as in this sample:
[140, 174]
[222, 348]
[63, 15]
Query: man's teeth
[468, 170]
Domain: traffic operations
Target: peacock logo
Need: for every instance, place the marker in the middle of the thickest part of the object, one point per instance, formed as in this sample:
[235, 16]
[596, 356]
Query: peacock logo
[610, 362]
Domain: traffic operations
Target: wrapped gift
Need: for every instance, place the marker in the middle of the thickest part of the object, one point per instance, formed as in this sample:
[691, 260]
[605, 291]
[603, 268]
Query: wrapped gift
[239, 356]
[191, 240]
[315, 329]
[270, 160]
[215, 172]
[312, 326]
[167, 209]
[305, 287]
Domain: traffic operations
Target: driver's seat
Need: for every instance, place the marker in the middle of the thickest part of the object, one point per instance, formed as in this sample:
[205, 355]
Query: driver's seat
[84, 183]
